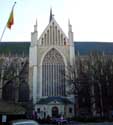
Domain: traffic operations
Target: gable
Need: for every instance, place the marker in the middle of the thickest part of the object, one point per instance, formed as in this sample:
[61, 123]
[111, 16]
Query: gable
[53, 35]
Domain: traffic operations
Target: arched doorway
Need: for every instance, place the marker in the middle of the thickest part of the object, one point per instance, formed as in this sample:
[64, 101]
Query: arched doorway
[55, 111]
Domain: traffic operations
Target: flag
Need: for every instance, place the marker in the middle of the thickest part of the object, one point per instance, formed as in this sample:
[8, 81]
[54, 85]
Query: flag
[10, 20]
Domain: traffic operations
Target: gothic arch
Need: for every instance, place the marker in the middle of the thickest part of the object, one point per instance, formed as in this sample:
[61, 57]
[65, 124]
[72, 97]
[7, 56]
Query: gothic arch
[53, 82]
[64, 59]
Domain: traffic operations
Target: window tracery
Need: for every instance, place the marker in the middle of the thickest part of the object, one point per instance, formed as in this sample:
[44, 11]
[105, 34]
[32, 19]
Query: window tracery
[53, 83]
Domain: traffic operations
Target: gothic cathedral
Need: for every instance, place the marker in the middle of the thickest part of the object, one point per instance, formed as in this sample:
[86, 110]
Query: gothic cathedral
[49, 56]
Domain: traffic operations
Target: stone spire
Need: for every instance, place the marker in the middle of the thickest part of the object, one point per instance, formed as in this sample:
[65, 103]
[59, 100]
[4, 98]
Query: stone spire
[71, 43]
[70, 33]
[34, 35]
[51, 15]
[35, 26]
[69, 26]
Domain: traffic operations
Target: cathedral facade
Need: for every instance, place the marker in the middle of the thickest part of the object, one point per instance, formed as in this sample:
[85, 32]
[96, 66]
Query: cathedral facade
[49, 56]
[36, 71]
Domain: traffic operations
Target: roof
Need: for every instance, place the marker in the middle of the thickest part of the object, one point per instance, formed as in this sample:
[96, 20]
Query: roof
[54, 98]
[86, 47]
[83, 47]
[14, 48]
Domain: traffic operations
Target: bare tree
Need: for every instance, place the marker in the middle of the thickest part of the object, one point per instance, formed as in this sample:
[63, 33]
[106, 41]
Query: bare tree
[13, 72]
[90, 81]
[76, 82]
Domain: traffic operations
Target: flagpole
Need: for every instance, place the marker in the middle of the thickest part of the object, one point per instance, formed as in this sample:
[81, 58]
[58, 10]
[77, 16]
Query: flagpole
[6, 24]
[3, 33]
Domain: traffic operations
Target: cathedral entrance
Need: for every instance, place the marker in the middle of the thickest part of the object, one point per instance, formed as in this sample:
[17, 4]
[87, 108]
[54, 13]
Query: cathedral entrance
[55, 111]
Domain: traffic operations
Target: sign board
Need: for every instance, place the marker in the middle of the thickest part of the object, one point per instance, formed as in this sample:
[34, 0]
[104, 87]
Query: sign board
[4, 118]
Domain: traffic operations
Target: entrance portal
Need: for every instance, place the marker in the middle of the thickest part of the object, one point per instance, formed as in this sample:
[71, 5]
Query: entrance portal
[55, 111]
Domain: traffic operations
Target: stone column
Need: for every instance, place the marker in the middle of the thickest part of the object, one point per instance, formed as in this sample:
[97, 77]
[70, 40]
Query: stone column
[34, 84]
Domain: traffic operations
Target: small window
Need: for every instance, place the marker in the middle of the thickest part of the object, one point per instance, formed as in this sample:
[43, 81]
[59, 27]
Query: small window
[38, 110]
[64, 41]
[42, 41]
[70, 110]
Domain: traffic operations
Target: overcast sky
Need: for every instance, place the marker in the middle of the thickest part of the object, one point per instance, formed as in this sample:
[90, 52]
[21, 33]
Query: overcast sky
[92, 20]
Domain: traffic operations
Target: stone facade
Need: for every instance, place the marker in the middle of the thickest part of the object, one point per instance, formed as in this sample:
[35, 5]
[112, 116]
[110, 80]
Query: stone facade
[38, 74]
[49, 55]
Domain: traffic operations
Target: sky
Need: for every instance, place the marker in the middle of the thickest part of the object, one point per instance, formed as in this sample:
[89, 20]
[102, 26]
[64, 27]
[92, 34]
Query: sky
[92, 20]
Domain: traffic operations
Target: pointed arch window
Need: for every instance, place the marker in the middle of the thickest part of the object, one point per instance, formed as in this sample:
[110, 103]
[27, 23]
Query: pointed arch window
[42, 41]
[53, 82]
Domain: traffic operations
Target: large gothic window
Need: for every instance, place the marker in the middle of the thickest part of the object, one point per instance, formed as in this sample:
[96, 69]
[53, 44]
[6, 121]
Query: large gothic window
[53, 82]
[8, 93]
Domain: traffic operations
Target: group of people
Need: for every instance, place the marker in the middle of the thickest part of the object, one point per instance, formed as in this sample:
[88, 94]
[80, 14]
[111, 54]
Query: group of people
[45, 119]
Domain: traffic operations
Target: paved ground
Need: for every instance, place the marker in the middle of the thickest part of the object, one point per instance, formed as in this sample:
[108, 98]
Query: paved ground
[103, 123]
